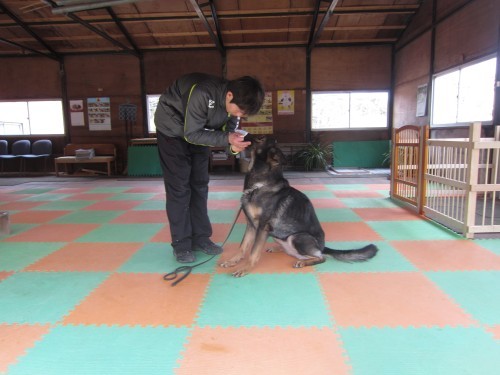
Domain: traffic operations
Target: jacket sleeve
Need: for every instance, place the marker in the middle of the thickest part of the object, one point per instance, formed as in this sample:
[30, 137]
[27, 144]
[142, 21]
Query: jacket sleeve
[195, 120]
[232, 124]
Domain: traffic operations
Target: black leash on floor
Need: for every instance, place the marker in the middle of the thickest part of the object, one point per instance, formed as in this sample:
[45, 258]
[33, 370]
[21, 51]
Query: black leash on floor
[187, 269]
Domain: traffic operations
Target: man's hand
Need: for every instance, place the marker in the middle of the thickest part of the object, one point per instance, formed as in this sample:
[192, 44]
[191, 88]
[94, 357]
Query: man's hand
[237, 142]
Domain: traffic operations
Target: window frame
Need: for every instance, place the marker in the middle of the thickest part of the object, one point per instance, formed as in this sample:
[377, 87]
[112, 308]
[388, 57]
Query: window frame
[151, 123]
[28, 124]
[349, 128]
[458, 68]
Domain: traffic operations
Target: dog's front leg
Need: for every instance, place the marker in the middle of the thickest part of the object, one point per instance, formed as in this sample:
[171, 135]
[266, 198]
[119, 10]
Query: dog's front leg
[246, 243]
[257, 248]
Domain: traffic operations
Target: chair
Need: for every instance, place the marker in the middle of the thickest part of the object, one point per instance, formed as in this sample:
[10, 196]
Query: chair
[41, 149]
[20, 147]
[4, 151]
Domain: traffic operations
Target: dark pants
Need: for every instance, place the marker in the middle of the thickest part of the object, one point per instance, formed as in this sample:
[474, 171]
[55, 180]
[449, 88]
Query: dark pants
[185, 174]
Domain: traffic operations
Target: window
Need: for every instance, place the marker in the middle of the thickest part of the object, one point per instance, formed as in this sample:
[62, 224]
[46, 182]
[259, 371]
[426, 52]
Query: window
[31, 117]
[152, 104]
[465, 94]
[349, 110]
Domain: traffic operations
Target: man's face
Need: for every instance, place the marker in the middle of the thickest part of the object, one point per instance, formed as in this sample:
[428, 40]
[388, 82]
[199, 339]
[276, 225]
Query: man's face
[232, 108]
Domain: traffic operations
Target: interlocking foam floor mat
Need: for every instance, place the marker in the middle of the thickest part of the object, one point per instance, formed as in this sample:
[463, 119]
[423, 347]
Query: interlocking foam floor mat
[82, 289]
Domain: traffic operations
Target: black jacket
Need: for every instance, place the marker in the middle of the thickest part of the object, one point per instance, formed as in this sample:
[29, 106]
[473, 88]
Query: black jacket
[194, 108]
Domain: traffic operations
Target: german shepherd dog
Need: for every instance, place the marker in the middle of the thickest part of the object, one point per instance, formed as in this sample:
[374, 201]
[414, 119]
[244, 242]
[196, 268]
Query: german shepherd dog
[273, 208]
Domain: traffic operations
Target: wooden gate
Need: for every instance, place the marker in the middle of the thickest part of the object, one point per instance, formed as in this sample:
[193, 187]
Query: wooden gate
[408, 165]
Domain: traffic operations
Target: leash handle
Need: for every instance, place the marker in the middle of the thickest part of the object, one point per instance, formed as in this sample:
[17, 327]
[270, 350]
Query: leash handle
[187, 269]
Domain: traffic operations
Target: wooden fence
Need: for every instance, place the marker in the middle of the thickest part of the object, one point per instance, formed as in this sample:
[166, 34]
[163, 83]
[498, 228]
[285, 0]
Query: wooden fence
[455, 182]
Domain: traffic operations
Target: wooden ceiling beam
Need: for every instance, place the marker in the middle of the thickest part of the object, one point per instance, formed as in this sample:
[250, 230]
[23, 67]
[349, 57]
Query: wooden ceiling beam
[326, 17]
[226, 32]
[215, 38]
[19, 22]
[179, 16]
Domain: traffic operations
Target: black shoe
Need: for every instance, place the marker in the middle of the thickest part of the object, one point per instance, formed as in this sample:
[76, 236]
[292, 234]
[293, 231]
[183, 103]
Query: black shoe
[208, 247]
[184, 256]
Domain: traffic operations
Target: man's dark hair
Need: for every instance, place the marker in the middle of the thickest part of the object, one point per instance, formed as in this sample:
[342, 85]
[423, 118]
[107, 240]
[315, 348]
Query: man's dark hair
[248, 94]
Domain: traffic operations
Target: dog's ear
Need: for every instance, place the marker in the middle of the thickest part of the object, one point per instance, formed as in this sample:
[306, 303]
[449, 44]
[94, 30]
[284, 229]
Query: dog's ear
[275, 157]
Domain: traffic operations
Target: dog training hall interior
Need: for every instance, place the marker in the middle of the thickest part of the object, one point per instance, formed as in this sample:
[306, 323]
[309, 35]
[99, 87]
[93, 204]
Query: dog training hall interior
[386, 114]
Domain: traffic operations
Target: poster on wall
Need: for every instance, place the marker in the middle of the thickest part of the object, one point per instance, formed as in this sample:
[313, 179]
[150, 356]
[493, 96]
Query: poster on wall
[262, 122]
[99, 113]
[421, 100]
[76, 113]
[286, 102]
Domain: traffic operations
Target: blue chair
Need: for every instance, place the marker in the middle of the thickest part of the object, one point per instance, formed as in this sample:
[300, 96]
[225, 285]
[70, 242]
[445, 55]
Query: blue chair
[41, 149]
[20, 147]
[4, 151]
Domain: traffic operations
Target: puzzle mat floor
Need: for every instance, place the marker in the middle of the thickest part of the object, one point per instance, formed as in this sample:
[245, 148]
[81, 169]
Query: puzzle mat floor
[81, 289]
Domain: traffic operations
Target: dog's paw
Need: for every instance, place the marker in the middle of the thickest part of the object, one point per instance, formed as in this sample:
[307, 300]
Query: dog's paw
[275, 249]
[299, 264]
[228, 263]
[240, 273]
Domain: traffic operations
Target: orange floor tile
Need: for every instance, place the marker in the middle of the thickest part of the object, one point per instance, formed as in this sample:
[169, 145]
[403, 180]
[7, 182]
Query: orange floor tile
[390, 300]
[249, 351]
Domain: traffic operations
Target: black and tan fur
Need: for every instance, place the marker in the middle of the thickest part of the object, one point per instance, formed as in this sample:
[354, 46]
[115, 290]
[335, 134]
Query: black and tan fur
[273, 208]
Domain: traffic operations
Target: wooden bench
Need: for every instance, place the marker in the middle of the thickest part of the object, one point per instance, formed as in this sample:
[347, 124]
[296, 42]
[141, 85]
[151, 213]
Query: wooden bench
[104, 154]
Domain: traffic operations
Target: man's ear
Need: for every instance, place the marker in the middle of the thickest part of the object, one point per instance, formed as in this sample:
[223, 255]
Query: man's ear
[229, 96]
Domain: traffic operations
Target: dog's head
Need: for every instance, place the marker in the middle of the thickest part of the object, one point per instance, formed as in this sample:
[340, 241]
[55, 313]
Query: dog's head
[265, 152]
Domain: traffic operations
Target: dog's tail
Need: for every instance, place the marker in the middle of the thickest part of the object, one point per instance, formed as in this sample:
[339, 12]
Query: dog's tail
[354, 255]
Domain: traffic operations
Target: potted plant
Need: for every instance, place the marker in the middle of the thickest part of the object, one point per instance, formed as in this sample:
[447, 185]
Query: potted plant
[315, 155]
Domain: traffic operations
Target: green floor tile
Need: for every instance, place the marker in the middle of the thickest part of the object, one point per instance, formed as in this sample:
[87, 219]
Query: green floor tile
[219, 195]
[107, 189]
[122, 233]
[159, 258]
[131, 197]
[368, 202]
[151, 205]
[81, 350]
[88, 217]
[284, 300]
[411, 230]
[237, 233]
[222, 216]
[346, 187]
[477, 292]
[490, 244]
[45, 197]
[386, 260]
[319, 194]
[423, 351]
[41, 297]
[383, 193]
[336, 215]
[18, 255]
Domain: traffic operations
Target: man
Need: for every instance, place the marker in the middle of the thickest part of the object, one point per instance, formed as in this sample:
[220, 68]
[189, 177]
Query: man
[195, 112]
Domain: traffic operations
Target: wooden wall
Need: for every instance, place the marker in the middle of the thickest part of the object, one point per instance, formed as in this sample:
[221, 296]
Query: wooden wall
[277, 69]
[465, 30]
[351, 68]
[339, 68]
[119, 77]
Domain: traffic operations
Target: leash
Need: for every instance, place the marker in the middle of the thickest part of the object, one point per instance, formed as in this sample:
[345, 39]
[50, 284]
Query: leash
[187, 269]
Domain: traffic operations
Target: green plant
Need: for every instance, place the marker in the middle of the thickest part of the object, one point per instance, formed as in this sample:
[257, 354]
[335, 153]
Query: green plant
[387, 158]
[315, 155]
